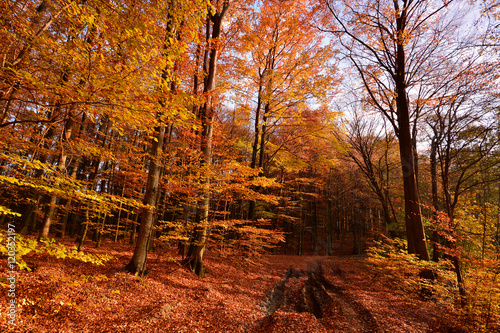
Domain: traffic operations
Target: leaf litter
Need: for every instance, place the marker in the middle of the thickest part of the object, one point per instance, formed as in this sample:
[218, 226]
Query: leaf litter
[272, 293]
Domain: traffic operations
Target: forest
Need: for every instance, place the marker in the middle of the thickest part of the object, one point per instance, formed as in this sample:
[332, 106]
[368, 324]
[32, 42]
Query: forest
[250, 165]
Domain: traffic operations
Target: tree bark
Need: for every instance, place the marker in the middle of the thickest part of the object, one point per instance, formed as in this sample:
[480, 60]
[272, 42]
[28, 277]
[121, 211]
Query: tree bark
[61, 165]
[435, 200]
[197, 245]
[137, 264]
[255, 146]
[413, 219]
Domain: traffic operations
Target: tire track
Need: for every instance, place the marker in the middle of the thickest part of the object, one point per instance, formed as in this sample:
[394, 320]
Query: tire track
[309, 291]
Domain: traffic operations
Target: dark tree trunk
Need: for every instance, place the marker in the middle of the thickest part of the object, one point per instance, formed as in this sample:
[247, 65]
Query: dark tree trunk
[197, 245]
[435, 200]
[413, 219]
[137, 264]
[84, 232]
[61, 165]
[255, 146]
[357, 229]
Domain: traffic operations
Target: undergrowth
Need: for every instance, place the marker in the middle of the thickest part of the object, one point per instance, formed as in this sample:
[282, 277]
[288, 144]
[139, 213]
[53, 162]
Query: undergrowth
[390, 263]
[24, 246]
[404, 272]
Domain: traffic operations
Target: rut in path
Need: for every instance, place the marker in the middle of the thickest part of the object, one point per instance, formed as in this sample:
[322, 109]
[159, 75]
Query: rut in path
[309, 291]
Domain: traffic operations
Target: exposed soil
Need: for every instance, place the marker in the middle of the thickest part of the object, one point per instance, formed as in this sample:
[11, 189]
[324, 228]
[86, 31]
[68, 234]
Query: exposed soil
[309, 291]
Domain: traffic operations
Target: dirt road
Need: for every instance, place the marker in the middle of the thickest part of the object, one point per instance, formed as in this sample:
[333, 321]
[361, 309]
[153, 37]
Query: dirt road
[309, 291]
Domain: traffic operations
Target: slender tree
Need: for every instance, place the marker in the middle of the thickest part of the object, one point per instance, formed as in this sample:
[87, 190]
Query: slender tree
[166, 90]
[206, 116]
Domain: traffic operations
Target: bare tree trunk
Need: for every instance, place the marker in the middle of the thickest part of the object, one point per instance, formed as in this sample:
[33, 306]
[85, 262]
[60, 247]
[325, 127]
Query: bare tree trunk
[255, 146]
[85, 230]
[69, 202]
[133, 233]
[414, 226]
[61, 165]
[120, 213]
[435, 199]
[137, 264]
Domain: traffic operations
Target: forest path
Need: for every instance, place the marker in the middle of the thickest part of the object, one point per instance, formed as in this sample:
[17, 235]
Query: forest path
[308, 290]
[271, 294]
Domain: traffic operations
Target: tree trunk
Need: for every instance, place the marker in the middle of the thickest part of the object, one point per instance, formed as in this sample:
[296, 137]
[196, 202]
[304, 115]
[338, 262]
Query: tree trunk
[137, 264]
[133, 232]
[435, 200]
[357, 230]
[197, 245]
[61, 165]
[29, 216]
[301, 238]
[460, 281]
[85, 230]
[414, 226]
[263, 137]
[255, 146]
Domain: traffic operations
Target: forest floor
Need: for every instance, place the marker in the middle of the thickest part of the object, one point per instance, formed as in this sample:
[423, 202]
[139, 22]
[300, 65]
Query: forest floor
[272, 293]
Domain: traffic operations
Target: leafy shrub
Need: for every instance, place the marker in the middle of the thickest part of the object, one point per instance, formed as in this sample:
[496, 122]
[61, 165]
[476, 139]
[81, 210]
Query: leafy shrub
[7, 211]
[243, 237]
[391, 263]
[51, 247]
[483, 295]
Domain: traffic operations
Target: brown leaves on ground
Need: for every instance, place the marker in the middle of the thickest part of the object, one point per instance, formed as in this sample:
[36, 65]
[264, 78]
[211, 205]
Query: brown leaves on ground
[72, 296]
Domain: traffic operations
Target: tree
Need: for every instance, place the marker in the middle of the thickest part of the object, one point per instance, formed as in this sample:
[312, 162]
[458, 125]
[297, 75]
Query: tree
[462, 145]
[394, 47]
[206, 116]
[283, 62]
[370, 147]
[176, 17]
